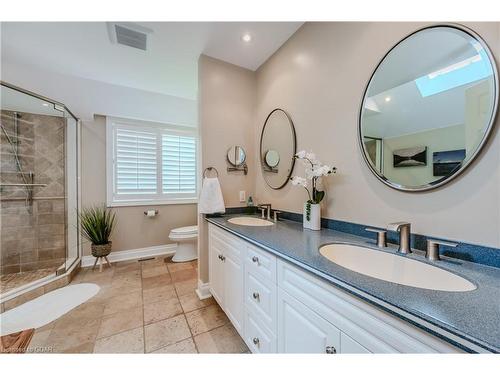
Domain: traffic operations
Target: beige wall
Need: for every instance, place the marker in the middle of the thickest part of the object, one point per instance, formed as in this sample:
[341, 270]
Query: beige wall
[226, 117]
[318, 77]
[133, 229]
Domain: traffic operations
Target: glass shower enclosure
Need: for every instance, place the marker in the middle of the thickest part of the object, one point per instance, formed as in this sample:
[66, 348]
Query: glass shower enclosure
[39, 189]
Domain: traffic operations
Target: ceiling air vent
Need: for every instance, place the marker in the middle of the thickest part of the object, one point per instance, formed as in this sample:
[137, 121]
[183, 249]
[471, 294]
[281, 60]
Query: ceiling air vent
[129, 34]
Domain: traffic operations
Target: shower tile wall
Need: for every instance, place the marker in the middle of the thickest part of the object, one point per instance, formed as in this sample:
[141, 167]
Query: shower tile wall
[33, 236]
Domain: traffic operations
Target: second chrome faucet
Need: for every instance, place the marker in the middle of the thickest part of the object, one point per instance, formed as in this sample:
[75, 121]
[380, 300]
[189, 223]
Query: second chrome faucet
[404, 230]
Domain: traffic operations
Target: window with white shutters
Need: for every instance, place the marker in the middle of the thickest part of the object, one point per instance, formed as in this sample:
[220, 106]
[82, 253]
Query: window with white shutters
[135, 162]
[178, 165]
[149, 163]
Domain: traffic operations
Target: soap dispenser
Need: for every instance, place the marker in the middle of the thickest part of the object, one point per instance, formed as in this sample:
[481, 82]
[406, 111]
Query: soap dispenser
[250, 201]
[250, 206]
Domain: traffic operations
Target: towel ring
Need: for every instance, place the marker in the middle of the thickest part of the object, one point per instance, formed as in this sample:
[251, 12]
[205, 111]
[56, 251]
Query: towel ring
[209, 169]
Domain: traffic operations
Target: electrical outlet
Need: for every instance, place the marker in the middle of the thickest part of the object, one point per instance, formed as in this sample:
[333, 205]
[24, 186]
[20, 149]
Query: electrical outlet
[242, 196]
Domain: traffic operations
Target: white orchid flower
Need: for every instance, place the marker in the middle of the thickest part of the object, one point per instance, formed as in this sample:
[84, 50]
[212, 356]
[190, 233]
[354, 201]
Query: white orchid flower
[296, 181]
[301, 154]
[311, 156]
[314, 170]
[317, 171]
[326, 170]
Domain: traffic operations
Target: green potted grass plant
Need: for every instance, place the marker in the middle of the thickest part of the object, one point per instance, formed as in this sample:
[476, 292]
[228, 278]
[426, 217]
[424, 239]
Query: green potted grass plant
[97, 223]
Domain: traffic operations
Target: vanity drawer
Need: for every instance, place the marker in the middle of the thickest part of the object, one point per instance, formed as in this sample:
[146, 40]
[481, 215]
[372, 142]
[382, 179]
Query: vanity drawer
[258, 338]
[260, 262]
[260, 297]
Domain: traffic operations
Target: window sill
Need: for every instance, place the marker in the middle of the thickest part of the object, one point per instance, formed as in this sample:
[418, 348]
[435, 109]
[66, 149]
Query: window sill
[151, 203]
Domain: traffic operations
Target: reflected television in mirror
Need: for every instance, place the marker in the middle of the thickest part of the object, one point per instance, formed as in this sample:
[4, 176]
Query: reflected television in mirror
[445, 163]
[410, 157]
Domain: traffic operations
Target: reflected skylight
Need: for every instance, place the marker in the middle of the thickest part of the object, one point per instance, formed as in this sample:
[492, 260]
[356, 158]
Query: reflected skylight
[473, 69]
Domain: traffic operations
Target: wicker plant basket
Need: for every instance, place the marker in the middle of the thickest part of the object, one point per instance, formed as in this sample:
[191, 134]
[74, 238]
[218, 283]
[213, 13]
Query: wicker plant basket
[101, 250]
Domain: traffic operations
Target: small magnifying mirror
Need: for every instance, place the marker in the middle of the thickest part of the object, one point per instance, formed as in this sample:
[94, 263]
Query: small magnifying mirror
[272, 158]
[236, 156]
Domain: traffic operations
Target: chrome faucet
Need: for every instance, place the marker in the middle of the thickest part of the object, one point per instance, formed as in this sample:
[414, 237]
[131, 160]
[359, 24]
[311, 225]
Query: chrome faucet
[404, 230]
[268, 207]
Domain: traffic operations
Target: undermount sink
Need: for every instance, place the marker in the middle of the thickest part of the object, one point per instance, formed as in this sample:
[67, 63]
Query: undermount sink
[250, 221]
[394, 268]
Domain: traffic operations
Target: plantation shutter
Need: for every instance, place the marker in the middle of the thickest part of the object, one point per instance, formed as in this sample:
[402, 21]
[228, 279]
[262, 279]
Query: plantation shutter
[150, 163]
[178, 165]
[135, 162]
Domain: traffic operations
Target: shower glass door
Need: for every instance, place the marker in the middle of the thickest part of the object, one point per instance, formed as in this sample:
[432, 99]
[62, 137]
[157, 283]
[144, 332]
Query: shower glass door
[38, 189]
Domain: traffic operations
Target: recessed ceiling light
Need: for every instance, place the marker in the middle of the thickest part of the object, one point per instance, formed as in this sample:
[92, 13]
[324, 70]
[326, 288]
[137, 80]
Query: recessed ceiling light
[387, 98]
[246, 38]
[45, 104]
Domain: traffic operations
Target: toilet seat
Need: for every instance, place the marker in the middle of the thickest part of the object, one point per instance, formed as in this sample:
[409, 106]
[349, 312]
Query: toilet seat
[192, 229]
[184, 232]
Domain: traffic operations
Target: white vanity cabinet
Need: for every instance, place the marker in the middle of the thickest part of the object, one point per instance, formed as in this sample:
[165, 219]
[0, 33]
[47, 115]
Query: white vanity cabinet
[301, 330]
[277, 307]
[226, 254]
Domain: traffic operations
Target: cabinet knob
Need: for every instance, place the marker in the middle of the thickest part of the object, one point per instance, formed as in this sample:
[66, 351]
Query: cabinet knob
[256, 296]
[255, 259]
[256, 341]
[330, 350]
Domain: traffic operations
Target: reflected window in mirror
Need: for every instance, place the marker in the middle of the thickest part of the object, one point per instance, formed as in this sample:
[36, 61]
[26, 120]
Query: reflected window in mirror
[374, 148]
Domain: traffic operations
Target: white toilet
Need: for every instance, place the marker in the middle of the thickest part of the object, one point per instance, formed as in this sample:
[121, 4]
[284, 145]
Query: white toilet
[187, 240]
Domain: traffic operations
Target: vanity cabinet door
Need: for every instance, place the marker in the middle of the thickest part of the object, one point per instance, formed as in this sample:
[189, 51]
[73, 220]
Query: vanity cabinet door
[234, 292]
[216, 271]
[300, 330]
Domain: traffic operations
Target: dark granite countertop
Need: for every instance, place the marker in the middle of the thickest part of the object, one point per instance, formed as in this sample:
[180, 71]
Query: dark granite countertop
[473, 315]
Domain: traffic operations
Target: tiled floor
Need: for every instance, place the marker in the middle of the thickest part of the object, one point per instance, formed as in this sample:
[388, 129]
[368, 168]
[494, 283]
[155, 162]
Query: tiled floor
[142, 307]
[14, 280]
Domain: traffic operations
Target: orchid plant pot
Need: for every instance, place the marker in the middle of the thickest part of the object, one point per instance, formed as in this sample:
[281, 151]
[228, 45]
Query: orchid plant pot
[312, 216]
[314, 171]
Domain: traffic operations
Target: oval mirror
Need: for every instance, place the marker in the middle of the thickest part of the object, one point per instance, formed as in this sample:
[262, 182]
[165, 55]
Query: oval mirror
[272, 158]
[277, 148]
[428, 108]
[236, 156]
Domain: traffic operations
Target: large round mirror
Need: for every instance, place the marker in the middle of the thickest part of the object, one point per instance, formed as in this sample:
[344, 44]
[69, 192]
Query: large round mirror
[428, 108]
[277, 148]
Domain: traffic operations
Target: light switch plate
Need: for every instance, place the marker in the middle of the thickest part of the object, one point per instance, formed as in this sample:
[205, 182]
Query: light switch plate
[242, 196]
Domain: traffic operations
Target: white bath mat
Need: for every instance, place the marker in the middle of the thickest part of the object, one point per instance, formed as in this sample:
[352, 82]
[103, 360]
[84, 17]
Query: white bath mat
[47, 308]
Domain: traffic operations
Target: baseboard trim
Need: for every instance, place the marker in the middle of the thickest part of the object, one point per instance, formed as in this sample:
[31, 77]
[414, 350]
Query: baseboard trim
[145, 252]
[203, 290]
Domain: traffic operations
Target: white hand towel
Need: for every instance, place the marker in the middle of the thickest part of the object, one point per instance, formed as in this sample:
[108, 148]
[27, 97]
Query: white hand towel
[211, 200]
